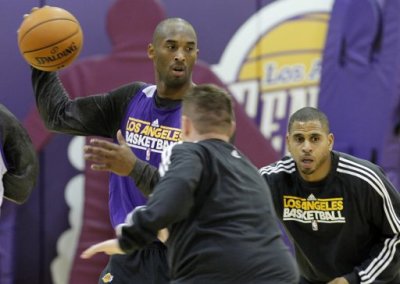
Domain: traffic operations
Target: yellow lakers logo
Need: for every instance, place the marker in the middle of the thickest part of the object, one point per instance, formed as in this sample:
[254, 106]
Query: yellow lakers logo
[107, 278]
[272, 64]
[150, 136]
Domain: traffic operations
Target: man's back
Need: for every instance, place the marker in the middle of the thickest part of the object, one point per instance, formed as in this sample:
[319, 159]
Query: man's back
[230, 234]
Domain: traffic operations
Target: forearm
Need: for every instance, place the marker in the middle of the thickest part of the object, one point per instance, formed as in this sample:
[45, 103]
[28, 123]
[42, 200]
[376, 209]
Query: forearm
[384, 265]
[145, 176]
[97, 115]
[22, 173]
[51, 98]
[135, 234]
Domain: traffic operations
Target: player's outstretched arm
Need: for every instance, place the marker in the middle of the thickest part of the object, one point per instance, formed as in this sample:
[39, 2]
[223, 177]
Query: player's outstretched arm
[119, 159]
[108, 247]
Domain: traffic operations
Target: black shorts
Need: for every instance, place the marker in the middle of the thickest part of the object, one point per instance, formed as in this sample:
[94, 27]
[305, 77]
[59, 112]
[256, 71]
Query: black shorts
[145, 266]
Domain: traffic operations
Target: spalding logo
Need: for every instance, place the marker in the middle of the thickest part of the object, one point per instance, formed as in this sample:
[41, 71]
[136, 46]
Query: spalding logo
[57, 55]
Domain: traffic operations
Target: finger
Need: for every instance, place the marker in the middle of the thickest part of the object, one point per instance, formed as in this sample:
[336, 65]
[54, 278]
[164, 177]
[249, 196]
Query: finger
[100, 167]
[32, 10]
[120, 138]
[96, 159]
[88, 253]
[103, 144]
[98, 151]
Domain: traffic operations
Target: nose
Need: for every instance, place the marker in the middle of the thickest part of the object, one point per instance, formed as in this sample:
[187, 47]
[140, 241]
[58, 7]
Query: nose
[179, 55]
[307, 147]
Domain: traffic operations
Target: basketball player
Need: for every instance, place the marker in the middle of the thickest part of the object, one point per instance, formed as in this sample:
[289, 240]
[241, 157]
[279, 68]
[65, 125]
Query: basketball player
[341, 211]
[138, 109]
[222, 225]
[19, 169]
[19, 166]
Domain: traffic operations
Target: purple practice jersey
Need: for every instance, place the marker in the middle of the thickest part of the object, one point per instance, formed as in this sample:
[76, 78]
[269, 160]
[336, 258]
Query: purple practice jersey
[147, 129]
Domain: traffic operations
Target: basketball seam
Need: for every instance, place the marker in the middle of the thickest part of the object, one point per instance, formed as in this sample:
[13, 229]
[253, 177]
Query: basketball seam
[43, 47]
[35, 26]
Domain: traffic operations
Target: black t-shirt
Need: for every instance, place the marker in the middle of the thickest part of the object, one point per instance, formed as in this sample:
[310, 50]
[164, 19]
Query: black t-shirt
[345, 225]
[220, 217]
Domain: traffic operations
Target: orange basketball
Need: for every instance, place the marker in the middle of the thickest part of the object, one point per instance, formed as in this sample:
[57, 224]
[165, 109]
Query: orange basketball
[50, 38]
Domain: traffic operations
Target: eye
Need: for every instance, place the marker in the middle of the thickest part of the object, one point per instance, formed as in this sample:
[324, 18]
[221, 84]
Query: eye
[315, 139]
[299, 139]
[170, 46]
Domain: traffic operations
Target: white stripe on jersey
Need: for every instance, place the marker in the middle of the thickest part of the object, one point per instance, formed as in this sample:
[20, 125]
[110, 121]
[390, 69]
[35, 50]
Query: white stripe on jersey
[287, 166]
[376, 183]
[369, 275]
[150, 91]
[386, 255]
[166, 159]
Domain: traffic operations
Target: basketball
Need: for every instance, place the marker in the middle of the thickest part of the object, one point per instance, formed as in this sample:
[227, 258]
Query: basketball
[50, 38]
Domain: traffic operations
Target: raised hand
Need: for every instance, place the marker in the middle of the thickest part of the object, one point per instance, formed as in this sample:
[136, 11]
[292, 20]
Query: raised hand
[108, 156]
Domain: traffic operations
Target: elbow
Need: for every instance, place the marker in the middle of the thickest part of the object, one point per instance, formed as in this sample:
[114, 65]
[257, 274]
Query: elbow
[19, 197]
[18, 188]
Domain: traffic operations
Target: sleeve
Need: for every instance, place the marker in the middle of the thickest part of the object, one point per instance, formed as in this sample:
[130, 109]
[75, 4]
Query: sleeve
[171, 200]
[145, 176]
[274, 189]
[20, 157]
[383, 265]
[98, 115]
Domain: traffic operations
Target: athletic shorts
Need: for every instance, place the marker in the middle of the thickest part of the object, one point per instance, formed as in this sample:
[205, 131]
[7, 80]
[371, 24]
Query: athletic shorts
[145, 266]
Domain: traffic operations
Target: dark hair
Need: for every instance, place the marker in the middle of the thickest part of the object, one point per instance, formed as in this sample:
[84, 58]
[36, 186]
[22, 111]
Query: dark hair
[309, 114]
[210, 108]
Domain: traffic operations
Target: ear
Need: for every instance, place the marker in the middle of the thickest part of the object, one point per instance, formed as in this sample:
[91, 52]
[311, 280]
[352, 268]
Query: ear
[186, 125]
[233, 128]
[288, 143]
[150, 51]
[331, 140]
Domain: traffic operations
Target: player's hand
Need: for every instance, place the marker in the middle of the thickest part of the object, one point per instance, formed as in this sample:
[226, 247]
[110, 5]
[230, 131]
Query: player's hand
[339, 280]
[108, 156]
[108, 247]
[163, 235]
[32, 10]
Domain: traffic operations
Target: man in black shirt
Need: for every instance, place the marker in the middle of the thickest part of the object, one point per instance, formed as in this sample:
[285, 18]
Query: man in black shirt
[221, 221]
[19, 169]
[19, 166]
[341, 212]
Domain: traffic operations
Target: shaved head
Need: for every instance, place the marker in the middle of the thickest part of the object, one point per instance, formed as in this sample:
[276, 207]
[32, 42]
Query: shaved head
[172, 25]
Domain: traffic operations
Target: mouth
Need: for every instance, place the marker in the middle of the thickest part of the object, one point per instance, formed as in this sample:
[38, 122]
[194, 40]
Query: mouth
[307, 162]
[178, 70]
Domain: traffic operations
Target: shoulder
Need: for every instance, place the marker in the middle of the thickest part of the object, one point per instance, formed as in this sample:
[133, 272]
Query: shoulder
[182, 147]
[132, 88]
[6, 115]
[179, 153]
[284, 166]
[351, 163]
[360, 169]
[9, 123]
